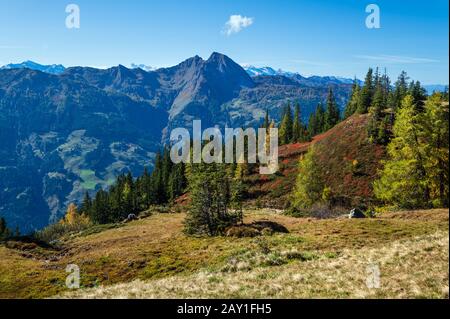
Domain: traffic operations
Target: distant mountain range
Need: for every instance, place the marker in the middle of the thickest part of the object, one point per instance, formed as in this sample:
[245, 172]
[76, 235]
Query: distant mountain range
[250, 69]
[52, 69]
[268, 71]
[65, 131]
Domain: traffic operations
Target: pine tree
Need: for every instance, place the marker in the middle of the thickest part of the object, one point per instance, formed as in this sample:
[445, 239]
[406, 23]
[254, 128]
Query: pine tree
[101, 209]
[383, 132]
[377, 127]
[401, 90]
[177, 181]
[286, 126]
[297, 129]
[332, 115]
[86, 206]
[419, 95]
[158, 189]
[209, 189]
[352, 104]
[4, 231]
[366, 94]
[386, 86]
[312, 125]
[317, 121]
[378, 103]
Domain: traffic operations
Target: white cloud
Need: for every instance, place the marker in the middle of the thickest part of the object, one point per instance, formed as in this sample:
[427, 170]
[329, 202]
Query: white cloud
[236, 23]
[396, 59]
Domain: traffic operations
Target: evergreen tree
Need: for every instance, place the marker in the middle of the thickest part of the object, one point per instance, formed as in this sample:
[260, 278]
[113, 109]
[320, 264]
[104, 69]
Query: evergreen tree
[377, 126]
[400, 92]
[158, 189]
[177, 181]
[209, 188]
[383, 131]
[86, 206]
[312, 125]
[352, 104]
[386, 86]
[378, 103]
[101, 209]
[4, 230]
[317, 121]
[418, 94]
[332, 114]
[286, 126]
[297, 129]
[366, 94]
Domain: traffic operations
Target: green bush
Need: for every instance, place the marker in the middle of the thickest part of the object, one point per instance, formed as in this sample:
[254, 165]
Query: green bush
[55, 232]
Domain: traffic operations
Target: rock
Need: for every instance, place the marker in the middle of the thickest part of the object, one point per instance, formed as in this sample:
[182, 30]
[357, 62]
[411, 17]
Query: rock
[356, 213]
[131, 217]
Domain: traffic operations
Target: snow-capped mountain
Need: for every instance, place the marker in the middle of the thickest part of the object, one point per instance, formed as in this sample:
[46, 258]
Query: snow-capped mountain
[144, 67]
[268, 71]
[52, 69]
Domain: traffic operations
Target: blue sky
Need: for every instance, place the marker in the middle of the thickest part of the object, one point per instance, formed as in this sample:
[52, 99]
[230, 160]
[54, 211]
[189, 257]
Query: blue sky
[307, 36]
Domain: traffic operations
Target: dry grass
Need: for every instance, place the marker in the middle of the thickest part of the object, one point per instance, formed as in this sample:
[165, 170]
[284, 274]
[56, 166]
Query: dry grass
[155, 249]
[413, 268]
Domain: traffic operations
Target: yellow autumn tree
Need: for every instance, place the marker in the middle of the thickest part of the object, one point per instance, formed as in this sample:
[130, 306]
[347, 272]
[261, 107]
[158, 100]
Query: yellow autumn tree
[72, 217]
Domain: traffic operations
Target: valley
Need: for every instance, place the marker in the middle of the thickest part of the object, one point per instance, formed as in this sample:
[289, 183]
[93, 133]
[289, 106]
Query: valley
[78, 129]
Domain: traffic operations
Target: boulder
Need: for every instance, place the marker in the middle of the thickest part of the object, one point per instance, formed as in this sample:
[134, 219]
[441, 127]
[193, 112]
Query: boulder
[131, 217]
[356, 213]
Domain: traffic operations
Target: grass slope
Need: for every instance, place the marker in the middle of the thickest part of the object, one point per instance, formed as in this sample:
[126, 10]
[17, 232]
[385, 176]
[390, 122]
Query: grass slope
[349, 165]
[155, 252]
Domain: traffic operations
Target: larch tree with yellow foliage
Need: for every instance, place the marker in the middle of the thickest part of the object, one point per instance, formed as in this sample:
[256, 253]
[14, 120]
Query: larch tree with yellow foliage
[416, 172]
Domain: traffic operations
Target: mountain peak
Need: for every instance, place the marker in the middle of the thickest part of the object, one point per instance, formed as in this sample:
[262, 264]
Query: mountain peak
[220, 58]
[52, 69]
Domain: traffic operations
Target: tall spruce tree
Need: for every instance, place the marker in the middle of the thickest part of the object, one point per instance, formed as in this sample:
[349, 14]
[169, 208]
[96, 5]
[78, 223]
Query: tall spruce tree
[352, 104]
[316, 123]
[366, 94]
[87, 204]
[418, 94]
[297, 129]
[332, 114]
[286, 126]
